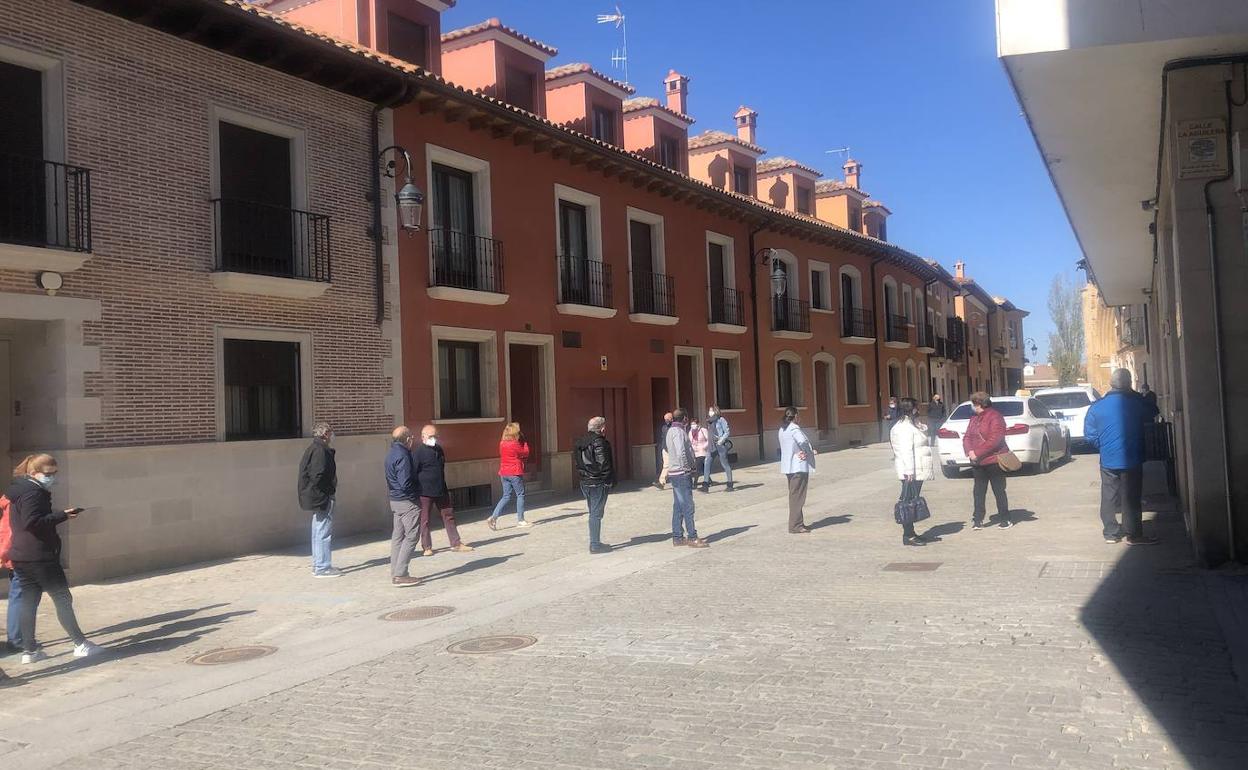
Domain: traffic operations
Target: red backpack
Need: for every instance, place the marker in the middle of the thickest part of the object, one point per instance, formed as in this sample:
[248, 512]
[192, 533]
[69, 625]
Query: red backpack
[6, 533]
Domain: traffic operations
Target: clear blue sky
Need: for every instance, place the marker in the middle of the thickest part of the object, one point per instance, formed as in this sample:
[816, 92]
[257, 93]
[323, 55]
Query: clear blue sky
[913, 87]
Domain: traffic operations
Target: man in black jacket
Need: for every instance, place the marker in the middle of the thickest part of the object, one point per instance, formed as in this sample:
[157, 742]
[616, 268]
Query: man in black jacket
[596, 470]
[429, 468]
[317, 484]
[936, 414]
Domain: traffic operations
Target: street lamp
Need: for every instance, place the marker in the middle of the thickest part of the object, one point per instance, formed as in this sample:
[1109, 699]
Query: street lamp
[408, 199]
[779, 276]
[1030, 343]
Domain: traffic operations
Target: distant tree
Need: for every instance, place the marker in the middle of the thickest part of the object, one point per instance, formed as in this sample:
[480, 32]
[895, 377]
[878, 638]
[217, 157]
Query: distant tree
[1066, 341]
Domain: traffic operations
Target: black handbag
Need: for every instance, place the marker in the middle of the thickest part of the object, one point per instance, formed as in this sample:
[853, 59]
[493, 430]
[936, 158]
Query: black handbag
[909, 510]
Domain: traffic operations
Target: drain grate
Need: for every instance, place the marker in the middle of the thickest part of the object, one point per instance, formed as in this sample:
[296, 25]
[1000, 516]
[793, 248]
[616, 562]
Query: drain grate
[1074, 570]
[486, 645]
[232, 655]
[912, 566]
[418, 613]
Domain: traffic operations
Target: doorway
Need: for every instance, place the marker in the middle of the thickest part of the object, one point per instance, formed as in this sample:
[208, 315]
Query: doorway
[823, 397]
[611, 403]
[6, 404]
[689, 379]
[525, 365]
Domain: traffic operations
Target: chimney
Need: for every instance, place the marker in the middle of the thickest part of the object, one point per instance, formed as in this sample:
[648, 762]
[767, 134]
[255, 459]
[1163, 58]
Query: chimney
[959, 269]
[747, 124]
[853, 170]
[676, 86]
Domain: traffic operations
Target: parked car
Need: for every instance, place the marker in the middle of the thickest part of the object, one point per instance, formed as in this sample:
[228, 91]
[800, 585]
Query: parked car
[1031, 432]
[1070, 405]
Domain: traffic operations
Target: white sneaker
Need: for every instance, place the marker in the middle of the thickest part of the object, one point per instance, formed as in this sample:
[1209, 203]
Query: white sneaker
[332, 572]
[34, 657]
[87, 649]
[523, 524]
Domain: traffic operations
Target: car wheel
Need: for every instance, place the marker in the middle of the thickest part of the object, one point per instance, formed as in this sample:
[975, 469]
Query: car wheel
[1046, 463]
[950, 471]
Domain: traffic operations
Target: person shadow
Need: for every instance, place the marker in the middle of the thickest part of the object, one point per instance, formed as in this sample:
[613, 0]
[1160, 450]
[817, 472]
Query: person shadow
[828, 521]
[939, 531]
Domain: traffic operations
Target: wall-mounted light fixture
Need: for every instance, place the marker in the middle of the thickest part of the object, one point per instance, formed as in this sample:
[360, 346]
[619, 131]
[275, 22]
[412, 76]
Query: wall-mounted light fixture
[408, 199]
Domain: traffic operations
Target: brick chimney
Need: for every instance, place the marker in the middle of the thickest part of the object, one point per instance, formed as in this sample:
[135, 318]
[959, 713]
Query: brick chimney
[676, 87]
[959, 269]
[853, 171]
[747, 124]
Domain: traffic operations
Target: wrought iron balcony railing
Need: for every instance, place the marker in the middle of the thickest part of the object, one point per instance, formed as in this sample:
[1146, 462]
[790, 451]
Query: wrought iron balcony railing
[857, 322]
[790, 315]
[44, 203]
[898, 329]
[462, 260]
[261, 239]
[653, 293]
[726, 306]
[927, 336]
[585, 282]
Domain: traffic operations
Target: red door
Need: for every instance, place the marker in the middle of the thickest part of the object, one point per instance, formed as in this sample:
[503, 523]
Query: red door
[611, 403]
[823, 409]
[526, 398]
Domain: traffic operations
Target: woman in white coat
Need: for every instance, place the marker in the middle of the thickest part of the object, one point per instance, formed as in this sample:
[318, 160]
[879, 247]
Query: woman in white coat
[912, 457]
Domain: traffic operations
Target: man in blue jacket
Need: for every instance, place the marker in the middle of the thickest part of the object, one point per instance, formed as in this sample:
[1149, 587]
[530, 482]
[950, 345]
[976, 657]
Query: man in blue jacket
[404, 504]
[1115, 425]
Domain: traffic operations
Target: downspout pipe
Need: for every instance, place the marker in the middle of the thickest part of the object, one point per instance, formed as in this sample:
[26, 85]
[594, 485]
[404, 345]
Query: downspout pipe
[879, 329]
[758, 369]
[930, 343]
[404, 95]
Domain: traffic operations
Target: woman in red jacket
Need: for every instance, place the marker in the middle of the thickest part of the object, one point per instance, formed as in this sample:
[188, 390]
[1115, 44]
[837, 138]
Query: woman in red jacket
[512, 452]
[983, 442]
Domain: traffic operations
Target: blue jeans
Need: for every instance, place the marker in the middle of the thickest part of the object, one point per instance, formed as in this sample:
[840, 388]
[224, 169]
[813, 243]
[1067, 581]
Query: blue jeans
[322, 532]
[596, 497]
[513, 486]
[682, 506]
[722, 454]
[13, 625]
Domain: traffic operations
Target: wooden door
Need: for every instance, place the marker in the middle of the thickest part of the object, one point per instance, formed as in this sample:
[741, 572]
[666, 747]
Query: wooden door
[823, 405]
[526, 398]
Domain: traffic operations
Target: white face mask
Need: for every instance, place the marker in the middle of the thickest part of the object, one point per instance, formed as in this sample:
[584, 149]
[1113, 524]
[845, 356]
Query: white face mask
[431, 441]
[44, 480]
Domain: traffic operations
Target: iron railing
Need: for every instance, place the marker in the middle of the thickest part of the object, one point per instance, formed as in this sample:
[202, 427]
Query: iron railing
[1131, 332]
[262, 239]
[957, 338]
[927, 336]
[462, 260]
[941, 347]
[585, 282]
[790, 315]
[653, 293]
[726, 306]
[856, 322]
[44, 203]
[898, 329]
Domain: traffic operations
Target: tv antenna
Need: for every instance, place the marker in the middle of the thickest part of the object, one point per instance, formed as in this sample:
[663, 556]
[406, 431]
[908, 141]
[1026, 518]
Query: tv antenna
[839, 151]
[619, 56]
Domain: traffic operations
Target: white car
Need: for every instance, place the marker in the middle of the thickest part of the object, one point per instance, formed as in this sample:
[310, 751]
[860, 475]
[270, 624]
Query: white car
[1070, 405]
[1031, 432]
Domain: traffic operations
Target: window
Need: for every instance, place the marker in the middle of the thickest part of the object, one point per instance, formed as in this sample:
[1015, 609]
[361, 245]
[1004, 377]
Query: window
[604, 124]
[254, 216]
[452, 207]
[727, 379]
[741, 179]
[785, 376]
[261, 389]
[855, 217]
[669, 152]
[1038, 409]
[848, 294]
[883, 236]
[912, 390]
[573, 230]
[803, 200]
[408, 40]
[855, 383]
[820, 287]
[1013, 408]
[518, 89]
[459, 379]
[894, 380]
[1068, 399]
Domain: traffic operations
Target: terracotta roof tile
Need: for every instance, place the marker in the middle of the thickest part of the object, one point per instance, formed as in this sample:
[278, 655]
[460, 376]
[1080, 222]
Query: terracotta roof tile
[836, 185]
[564, 70]
[780, 162]
[494, 23]
[711, 138]
[639, 103]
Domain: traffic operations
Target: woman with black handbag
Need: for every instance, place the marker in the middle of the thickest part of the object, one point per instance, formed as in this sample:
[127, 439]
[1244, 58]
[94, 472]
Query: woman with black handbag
[912, 457]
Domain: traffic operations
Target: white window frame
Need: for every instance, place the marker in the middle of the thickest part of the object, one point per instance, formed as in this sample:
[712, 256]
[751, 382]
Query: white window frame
[823, 357]
[699, 377]
[730, 258]
[925, 384]
[483, 219]
[907, 302]
[657, 239]
[825, 277]
[910, 384]
[487, 339]
[298, 149]
[734, 387]
[855, 276]
[884, 284]
[593, 208]
[263, 334]
[901, 378]
[794, 270]
[799, 379]
[53, 70]
[861, 381]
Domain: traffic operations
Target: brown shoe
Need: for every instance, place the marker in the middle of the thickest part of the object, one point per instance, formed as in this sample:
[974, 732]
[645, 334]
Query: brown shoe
[462, 548]
[679, 541]
[697, 543]
[491, 524]
[802, 530]
[428, 552]
[404, 582]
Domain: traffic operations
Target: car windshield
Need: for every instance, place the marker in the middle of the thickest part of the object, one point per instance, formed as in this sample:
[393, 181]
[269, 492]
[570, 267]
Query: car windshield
[1006, 408]
[1074, 399]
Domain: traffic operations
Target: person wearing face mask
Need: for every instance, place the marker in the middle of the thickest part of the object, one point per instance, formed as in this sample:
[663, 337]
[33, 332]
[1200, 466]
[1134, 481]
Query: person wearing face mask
[318, 483]
[717, 425]
[36, 553]
[404, 504]
[429, 468]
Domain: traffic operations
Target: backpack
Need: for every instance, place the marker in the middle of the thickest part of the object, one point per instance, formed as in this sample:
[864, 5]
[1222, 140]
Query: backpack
[6, 532]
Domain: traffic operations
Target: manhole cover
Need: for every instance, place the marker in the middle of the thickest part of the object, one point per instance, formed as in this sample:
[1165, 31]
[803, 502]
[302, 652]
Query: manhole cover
[1076, 569]
[418, 613]
[232, 655]
[489, 644]
[912, 566]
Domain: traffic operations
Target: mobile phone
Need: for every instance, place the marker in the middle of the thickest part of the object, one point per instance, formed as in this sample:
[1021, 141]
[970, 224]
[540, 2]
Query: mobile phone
[74, 511]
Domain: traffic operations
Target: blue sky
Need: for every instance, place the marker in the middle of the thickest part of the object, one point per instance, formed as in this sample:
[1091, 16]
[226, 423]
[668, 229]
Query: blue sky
[913, 87]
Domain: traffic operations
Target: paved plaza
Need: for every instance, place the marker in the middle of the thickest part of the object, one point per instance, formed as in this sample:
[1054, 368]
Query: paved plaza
[1034, 647]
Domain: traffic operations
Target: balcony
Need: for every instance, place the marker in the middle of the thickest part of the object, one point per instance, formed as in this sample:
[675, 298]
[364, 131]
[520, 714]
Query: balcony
[897, 334]
[727, 310]
[790, 318]
[45, 214]
[464, 267]
[941, 348]
[585, 288]
[1132, 334]
[858, 326]
[927, 339]
[270, 250]
[956, 347]
[654, 299]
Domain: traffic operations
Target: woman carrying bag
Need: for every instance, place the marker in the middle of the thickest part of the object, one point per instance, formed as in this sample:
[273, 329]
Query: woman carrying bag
[912, 457]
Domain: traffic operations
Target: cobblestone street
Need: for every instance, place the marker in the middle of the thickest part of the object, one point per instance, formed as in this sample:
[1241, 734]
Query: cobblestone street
[1035, 647]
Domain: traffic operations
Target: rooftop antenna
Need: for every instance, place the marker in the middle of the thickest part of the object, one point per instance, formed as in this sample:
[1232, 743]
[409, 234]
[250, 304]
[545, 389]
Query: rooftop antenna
[619, 56]
[839, 151]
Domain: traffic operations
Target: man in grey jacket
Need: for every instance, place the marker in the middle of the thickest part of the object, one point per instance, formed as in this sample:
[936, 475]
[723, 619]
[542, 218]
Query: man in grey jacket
[680, 476]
